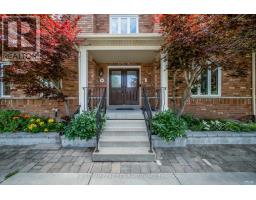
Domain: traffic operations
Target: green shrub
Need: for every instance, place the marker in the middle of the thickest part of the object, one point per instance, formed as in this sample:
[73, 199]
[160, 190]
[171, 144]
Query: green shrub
[193, 123]
[168, 126]
[82, 127]
[11, 121]
[196, 124]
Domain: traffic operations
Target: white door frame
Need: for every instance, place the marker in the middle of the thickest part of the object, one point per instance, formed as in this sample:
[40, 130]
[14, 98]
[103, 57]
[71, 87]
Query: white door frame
[124, 67]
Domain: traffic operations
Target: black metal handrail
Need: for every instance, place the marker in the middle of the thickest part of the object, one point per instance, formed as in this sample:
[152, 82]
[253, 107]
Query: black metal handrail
[93, 95]
[147, 112]
[100, 117]
[156, 97]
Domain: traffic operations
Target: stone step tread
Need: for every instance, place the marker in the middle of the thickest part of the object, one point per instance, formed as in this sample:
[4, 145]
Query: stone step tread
[126, 120]
[124, 151]
[109, 122]
[124, 128]
[124, 133]
[123, 118]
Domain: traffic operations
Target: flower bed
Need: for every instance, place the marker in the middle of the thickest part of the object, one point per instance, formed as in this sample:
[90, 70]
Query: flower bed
[168, 126]
[196, 124]
[15, 121]
[207, 138]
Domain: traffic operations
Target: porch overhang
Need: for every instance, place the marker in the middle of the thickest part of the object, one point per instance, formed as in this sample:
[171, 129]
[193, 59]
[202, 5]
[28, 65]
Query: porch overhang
[150, 41]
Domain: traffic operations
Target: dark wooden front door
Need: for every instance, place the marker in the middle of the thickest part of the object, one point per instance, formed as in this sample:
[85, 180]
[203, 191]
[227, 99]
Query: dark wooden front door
[123, 87]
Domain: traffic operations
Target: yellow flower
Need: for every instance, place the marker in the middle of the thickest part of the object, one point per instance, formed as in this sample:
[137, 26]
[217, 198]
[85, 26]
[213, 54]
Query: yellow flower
[31, 126]
[50, 120]
[38, 120]
[41, 123]
[46, 130]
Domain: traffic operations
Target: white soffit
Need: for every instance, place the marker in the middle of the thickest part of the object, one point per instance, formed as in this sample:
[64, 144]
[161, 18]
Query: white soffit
[124, 56]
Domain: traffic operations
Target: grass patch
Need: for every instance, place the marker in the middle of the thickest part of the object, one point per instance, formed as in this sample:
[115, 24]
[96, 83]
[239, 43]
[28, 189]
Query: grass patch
[11, 174]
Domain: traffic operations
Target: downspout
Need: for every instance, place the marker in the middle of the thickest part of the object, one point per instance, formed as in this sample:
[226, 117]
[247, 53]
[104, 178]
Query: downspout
[253, 85]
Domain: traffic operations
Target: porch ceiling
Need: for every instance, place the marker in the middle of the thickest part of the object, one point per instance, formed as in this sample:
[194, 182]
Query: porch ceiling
[124, 56]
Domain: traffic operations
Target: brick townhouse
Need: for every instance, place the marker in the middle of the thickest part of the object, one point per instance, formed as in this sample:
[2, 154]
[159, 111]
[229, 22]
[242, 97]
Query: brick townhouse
[122, 53]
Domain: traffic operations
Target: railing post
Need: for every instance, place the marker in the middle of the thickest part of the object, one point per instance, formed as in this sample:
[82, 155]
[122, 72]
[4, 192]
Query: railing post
[84, 88]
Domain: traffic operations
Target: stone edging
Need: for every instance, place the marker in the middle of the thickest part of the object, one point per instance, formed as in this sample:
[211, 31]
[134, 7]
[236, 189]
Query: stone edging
[206, 138]
[77, 142]
[52, 138]
[193, 137]
[23, 138]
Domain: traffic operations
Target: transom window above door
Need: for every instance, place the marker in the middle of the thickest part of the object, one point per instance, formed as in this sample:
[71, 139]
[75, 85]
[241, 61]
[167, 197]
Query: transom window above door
[123, 24]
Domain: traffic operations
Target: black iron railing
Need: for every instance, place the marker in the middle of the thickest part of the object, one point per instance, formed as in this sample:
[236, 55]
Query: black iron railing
[94, 95]
[100, 117]
[155, 97]
[147, 112]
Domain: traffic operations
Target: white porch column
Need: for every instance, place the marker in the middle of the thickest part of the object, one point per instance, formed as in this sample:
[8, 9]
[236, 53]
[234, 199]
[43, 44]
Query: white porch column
[83, 78]
[164, 81]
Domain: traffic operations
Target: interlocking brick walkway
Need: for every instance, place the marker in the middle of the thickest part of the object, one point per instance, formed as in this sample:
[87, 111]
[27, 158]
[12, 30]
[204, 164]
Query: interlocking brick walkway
[212, 158]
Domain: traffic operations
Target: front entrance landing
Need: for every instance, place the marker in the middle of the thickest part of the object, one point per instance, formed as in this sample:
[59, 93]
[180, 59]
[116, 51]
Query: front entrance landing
[124, 138]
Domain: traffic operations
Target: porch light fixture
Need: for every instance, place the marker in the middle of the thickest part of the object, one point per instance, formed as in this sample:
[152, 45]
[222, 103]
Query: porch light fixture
[101, 72]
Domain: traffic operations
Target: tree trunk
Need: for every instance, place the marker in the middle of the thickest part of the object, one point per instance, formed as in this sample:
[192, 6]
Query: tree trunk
[66, 106]
[186, 96]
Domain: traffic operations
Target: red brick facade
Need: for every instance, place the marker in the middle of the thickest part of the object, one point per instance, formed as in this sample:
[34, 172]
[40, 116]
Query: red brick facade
[100, 24]
[235, 100]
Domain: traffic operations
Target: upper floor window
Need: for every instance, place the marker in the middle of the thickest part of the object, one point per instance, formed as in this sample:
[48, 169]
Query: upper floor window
[5, 89]
[123, 24]
[209, 83]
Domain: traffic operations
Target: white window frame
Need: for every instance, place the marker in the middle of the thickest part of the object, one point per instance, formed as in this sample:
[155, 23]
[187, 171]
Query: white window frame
[209, 86]
[128, 17]
[2, 95]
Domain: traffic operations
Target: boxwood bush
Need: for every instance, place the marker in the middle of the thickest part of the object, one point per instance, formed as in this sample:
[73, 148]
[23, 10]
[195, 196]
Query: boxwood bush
[82, 126]
[168, 126]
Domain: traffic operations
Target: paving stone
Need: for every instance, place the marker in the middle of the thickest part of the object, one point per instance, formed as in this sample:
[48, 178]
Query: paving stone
[46, 167]
[106, 167]
[135, 168]
[55, 158]
[79, 160]
[65, 168]
[75, 168]
[166, 169]
[145, 168]
[77, 153]
[96, 168]
[85, 168]
[177, 167]
[115, 167]
[56, 167]
[154, 168]
[65, 159]
[181, 160]
[125, 168]
[195, 158]
[28, 167]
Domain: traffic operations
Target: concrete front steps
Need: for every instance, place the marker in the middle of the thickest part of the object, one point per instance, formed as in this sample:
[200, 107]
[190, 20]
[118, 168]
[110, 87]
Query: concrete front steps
[124, 141]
